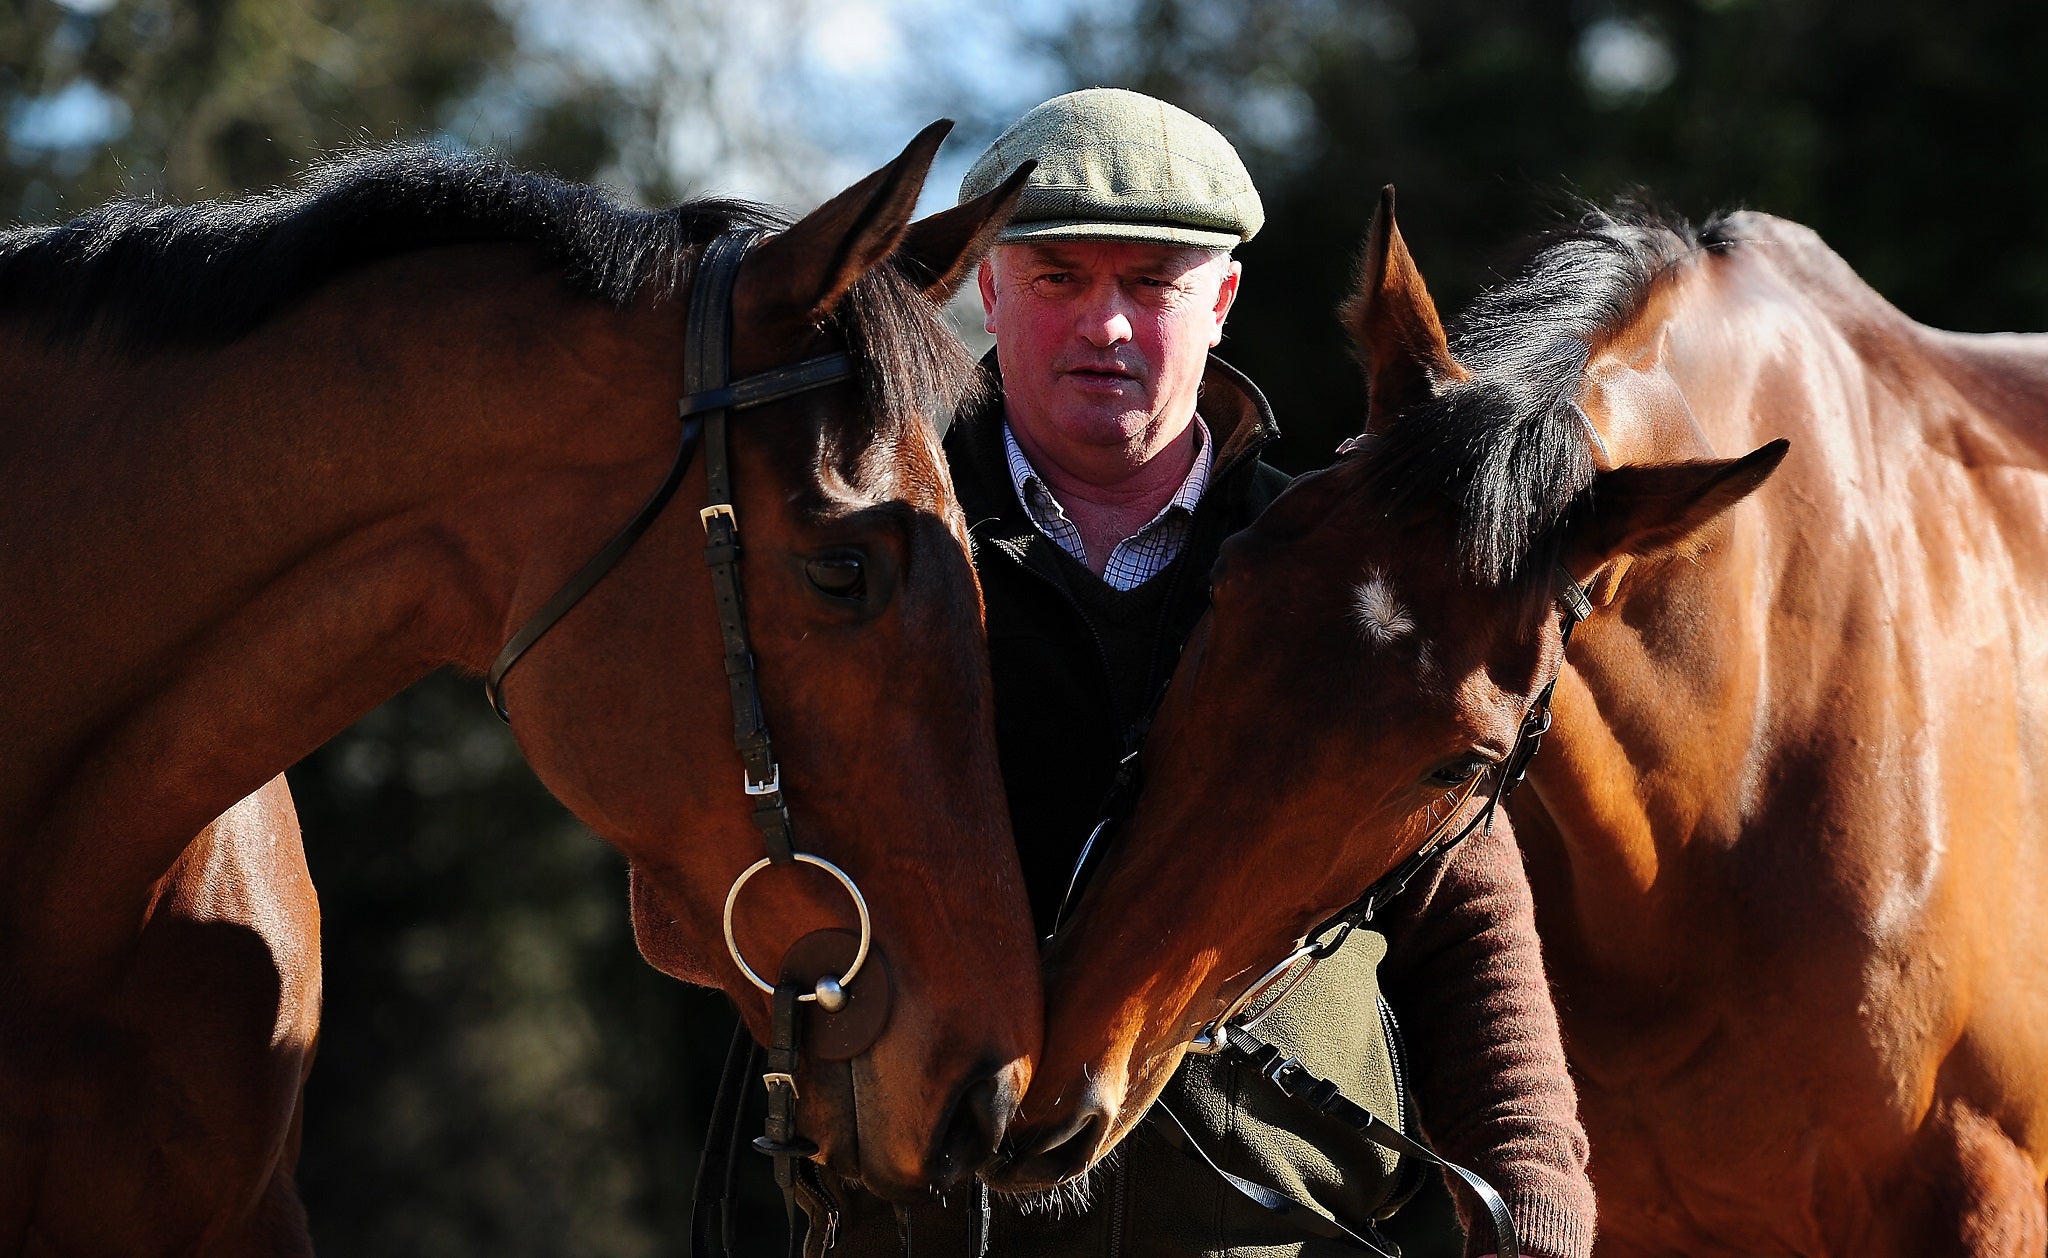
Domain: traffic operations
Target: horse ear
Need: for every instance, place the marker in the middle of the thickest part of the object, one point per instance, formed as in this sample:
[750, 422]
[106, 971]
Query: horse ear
[940, 251]
[1638, 510]
[1394, 323]
[801, 274]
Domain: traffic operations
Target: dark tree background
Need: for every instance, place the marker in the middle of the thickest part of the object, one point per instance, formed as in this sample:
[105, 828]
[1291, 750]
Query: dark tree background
[1913, 137]
[499, 1071]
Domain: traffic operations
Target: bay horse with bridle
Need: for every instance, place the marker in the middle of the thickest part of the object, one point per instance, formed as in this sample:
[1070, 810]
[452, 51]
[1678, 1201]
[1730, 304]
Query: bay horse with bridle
[266, 462]
[1787, 834]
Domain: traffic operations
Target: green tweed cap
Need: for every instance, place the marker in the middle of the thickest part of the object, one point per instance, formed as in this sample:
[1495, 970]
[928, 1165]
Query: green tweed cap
[1119, 165]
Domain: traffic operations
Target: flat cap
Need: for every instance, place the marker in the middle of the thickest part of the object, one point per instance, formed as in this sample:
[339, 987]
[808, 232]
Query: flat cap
[1119, 165]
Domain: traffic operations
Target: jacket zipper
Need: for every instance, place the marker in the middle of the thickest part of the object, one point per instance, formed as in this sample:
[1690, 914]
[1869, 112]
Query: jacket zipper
[1397, 1055]
[1409, 1172]
[1116, 1210]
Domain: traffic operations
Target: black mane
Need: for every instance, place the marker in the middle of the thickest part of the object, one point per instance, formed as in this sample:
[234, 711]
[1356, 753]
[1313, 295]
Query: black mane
[162, 275]
[1505, 445]
[154, 276]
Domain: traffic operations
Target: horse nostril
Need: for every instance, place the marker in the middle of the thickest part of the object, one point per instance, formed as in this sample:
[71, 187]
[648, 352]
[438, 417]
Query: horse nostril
[1056, 1156]
[1077, 1141]
[972, 1131]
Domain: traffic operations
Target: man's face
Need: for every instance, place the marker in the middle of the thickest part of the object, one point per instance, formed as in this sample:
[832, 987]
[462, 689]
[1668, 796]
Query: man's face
[1103, 342]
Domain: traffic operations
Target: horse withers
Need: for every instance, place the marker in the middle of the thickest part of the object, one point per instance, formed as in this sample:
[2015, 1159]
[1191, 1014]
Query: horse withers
[1787, 835]
[266, 462]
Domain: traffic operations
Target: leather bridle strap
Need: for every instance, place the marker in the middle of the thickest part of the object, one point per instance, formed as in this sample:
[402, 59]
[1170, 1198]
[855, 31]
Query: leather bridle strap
[1576, 607]
[1231, 1035]
[587, 576]
[705, 409]
[707, 336]
[705, 370]
[715, 1208]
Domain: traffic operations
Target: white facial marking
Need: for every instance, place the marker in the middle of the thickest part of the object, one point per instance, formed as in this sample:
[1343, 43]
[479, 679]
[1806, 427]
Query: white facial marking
[1380, 616]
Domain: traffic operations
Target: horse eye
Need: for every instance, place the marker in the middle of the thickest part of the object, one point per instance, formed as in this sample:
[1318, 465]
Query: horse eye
[837, 576]
[1458, 772]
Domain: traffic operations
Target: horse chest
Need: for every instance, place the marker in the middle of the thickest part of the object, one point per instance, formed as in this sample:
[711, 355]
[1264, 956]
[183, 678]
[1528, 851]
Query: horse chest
[158, 1114]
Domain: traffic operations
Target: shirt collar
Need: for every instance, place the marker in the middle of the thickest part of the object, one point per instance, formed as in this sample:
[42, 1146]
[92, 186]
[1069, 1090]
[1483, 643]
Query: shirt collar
[1044, 508]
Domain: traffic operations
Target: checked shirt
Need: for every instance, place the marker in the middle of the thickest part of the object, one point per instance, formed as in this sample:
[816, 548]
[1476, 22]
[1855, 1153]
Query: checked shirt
[1139, 557]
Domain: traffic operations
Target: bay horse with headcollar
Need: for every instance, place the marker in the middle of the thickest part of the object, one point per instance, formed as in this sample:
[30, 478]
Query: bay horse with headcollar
[266, 462]
[1788, 836]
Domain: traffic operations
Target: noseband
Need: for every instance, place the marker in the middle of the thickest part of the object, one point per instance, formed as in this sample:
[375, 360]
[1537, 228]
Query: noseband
[705, 411]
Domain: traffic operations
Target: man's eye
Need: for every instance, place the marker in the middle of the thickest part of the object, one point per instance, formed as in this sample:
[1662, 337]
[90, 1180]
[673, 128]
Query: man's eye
[1154, 292]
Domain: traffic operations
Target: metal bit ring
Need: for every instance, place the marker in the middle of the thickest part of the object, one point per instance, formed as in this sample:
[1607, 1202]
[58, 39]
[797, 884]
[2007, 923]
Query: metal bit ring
[1210, 1038]
[860, 906]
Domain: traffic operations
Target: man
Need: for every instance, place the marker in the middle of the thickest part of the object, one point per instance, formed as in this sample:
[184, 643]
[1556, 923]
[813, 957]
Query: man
[1100, 477]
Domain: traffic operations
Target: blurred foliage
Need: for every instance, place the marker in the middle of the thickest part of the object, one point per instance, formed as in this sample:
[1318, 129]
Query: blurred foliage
[185, 98]
[1913, 137]
[499, 1070]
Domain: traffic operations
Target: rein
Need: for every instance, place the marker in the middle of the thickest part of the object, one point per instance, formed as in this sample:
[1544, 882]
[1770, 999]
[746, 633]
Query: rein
[706, 411]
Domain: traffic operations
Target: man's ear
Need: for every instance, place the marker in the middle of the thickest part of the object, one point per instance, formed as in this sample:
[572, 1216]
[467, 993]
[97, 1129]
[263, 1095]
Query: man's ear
[1639, 510]
[985, 278]
[941, 250]
[1394, 324]
[1226, 296]
[800, 275]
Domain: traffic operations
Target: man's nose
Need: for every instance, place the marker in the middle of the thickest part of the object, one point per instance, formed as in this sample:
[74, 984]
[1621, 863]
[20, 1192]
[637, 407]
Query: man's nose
[1106, 323]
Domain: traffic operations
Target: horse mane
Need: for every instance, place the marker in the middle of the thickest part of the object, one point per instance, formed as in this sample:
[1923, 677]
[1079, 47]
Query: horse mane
[156, 276]
[1505, 446]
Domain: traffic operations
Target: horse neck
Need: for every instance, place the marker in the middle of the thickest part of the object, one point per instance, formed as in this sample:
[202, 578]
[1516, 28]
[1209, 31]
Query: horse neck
[1664, 709]
[1698, 706]
[260, 542]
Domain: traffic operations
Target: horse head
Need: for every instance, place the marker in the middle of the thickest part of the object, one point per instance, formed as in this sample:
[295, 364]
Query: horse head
[1374, 648]
[864, 619]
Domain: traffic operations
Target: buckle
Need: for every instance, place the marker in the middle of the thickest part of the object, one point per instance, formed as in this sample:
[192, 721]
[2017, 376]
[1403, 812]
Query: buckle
[1572, 595]
[770, 787]
[775, 1077]
[715, 510]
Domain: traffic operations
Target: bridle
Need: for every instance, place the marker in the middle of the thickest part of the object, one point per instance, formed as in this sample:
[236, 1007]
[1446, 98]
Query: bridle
[705, 411]
[1329, 934]
[1231, 1034]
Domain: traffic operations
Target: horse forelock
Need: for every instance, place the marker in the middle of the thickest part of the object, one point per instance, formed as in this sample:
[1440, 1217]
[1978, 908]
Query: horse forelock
[1502, 450]
[914, 376]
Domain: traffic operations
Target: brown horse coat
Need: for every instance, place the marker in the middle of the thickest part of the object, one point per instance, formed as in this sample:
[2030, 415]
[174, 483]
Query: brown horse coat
[264, 464]
[1789, 842]
[1787, 836]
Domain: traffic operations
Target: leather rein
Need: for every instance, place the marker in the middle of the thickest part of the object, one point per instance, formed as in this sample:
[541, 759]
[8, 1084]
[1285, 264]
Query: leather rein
[705, 411]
